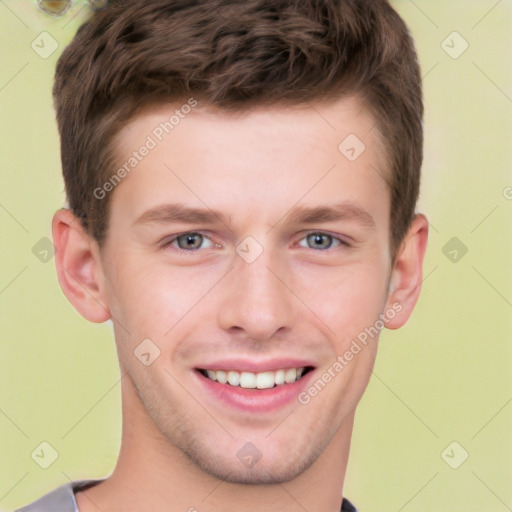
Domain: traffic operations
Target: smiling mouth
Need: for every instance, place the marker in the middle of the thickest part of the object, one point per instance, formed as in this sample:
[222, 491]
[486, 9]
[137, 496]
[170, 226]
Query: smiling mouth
[260, 380]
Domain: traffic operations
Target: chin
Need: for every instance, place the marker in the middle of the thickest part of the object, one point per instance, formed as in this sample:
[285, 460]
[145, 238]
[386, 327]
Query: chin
[279, 469]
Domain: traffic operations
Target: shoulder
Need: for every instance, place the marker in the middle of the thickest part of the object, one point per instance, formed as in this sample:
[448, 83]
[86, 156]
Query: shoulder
[61, 499]
[346, 506]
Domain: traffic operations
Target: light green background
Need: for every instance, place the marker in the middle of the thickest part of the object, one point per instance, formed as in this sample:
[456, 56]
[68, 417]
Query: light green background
[444, 377]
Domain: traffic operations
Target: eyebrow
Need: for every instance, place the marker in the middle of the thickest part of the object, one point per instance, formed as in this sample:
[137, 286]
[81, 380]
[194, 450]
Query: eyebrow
[179, 212]
[340, 211]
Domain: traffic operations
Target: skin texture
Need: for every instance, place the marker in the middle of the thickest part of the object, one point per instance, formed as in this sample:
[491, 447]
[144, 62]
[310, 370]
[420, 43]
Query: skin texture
[179, 447]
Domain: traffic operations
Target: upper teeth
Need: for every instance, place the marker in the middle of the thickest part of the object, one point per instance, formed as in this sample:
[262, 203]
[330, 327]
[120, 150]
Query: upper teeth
[262, 380]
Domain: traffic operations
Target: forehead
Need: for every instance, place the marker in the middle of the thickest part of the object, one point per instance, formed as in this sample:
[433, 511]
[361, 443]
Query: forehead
[248, 159]
[344, 125]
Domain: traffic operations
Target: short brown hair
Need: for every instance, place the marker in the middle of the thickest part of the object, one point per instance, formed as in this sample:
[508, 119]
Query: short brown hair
[235, 54]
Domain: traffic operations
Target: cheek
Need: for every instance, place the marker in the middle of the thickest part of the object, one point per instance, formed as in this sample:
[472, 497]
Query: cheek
[149, 305]
[141, 298]
[151, 299]
[346, 299]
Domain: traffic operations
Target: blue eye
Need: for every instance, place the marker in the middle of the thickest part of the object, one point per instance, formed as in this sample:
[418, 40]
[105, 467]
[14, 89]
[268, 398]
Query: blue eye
[323, 239]
[192, 241]
[188, 242]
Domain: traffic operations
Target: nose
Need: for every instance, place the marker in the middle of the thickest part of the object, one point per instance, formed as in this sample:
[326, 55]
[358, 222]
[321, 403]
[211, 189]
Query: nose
[257, 300]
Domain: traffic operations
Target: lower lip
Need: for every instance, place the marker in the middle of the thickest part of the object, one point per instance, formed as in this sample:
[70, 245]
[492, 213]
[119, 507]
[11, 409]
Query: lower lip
[254, 400]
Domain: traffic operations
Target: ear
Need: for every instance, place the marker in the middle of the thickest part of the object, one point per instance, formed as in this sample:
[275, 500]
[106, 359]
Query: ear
[407, 274]
[79, 267]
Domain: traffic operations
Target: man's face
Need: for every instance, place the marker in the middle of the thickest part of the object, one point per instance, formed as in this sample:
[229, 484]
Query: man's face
[254, 289]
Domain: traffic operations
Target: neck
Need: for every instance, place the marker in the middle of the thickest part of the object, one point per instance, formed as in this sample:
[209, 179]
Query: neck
[153, 474]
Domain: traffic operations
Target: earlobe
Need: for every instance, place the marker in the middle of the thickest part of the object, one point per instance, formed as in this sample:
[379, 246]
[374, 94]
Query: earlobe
[78, 267]
[407, 274]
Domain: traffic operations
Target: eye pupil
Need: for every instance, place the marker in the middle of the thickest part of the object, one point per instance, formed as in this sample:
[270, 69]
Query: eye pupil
[189, 240]
[320, 237]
